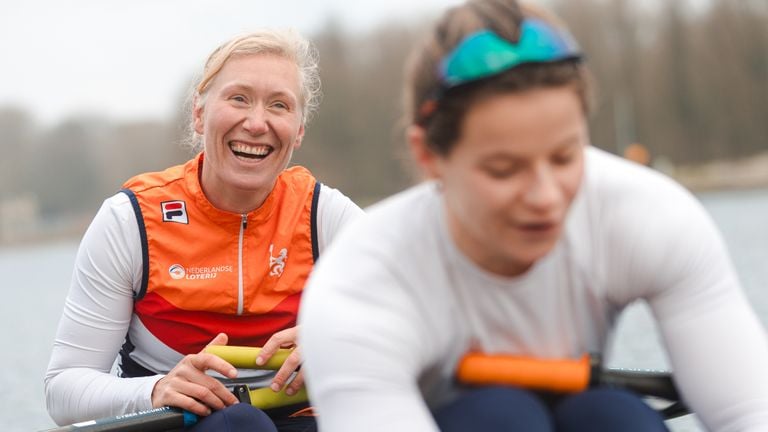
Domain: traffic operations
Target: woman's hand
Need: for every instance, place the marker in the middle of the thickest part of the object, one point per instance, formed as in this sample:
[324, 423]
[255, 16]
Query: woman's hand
[284, 339]
[188, 387]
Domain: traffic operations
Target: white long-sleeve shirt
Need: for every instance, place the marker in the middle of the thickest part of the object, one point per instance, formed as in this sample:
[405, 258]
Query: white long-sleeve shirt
[393, 304]
[99, 307]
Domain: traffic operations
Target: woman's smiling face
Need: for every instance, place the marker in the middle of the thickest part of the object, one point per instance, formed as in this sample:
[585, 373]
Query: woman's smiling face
[251, 120]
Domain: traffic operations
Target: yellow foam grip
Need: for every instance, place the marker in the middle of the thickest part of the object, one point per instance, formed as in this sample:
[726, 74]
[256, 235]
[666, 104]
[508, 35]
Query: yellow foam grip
[265, 398]
[245, 357]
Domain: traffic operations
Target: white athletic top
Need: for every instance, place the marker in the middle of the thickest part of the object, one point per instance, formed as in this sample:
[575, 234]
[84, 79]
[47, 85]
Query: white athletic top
[393, 304]
[98, 310]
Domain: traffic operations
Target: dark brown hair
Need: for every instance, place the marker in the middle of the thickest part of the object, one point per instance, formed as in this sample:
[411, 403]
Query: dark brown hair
[503, 17]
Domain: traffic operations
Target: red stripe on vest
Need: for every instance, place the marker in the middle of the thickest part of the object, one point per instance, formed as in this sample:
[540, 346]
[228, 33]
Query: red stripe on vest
[189, 332]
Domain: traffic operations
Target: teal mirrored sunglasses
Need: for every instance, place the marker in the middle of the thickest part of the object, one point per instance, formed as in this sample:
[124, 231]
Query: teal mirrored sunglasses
[484, 53]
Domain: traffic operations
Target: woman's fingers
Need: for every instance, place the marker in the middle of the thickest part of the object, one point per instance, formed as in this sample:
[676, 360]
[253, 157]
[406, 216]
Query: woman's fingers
[187, 403]
[282, 339]
[290, 365]
[204, 361]
[296, 384]
[220, 339]
[196, 374]
[193, 397]
[176, 392]
[201, 394]
[189, 380]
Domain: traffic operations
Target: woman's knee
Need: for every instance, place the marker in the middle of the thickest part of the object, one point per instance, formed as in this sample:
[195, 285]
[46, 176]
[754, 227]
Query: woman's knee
[607, 410]
[495, 409]
[238, 417]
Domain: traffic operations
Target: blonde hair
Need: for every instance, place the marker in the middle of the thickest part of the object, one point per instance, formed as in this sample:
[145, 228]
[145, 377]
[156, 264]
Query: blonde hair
[287, 43]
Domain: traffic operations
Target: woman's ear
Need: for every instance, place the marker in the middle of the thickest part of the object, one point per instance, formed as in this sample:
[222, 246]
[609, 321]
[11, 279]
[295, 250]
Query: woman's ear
[299, 138]
[197, 115]
[424, 156]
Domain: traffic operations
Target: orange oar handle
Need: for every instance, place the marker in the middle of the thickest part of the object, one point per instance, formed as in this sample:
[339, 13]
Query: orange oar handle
[560, 376]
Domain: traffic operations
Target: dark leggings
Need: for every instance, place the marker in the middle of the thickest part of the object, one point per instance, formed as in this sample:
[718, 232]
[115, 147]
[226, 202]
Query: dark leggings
[497, 409]
[244, 417]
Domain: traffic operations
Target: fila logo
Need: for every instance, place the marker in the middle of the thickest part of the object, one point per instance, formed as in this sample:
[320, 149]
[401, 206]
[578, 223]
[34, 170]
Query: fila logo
[175, 211]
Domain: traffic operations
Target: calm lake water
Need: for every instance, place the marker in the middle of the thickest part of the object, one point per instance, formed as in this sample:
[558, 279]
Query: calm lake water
[35, 280]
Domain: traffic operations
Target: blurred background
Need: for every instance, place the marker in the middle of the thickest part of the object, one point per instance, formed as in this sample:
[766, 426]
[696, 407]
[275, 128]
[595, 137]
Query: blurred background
[93, 92]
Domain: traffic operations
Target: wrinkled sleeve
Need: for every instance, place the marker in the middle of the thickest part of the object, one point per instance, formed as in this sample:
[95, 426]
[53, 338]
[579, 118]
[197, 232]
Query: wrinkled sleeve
[96, 316]
[363, 342]
[716, 344]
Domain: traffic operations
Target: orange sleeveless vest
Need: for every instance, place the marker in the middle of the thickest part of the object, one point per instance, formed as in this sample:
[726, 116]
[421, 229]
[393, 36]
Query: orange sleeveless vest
[207, 271]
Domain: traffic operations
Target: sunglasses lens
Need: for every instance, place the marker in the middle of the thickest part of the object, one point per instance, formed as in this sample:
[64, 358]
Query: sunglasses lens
[484, 53]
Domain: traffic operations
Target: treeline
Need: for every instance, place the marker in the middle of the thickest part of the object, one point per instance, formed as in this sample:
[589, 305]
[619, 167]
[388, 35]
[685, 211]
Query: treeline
[689, 83]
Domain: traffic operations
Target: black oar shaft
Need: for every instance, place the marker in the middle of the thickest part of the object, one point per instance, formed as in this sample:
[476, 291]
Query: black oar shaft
[658, 384]
[154, 420]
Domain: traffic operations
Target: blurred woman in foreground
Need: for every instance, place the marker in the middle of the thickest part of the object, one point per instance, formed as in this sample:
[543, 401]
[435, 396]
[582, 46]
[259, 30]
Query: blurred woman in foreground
[528, 241]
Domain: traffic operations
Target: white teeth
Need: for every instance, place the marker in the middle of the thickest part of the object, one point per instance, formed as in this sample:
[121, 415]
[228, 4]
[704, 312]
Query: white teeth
[253, 150]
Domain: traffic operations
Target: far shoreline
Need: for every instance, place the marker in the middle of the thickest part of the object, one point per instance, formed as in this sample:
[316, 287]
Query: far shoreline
[724, 175]
[745, 174]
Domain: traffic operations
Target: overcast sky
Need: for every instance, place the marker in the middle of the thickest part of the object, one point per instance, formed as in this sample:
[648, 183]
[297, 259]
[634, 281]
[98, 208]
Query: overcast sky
[131, 59]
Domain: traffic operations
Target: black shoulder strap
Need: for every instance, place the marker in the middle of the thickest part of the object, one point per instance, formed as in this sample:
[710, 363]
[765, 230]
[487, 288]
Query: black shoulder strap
[315, 199]
[144, 246]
